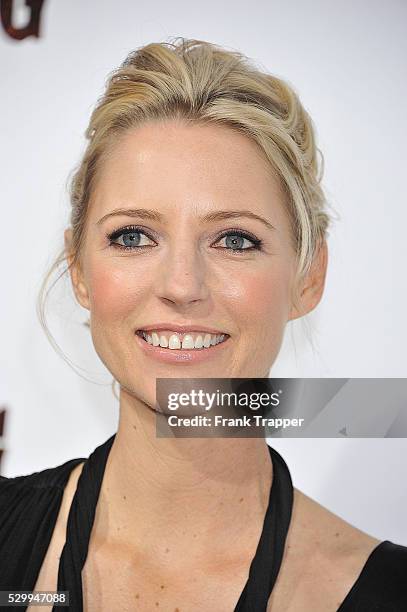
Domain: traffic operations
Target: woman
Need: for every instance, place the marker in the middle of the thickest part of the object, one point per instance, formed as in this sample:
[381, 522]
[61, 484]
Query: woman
[198, 230]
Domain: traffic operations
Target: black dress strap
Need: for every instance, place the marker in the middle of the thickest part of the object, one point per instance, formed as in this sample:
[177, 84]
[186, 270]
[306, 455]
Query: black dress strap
[79, 526]
[267, 560]
[264, 567]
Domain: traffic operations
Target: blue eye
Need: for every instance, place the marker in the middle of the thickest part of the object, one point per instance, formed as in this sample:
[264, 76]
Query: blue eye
[236, 239]
[132, 236]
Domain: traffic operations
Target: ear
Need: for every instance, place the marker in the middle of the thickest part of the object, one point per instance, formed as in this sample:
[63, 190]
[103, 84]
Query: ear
[77, 279]
[312, 286]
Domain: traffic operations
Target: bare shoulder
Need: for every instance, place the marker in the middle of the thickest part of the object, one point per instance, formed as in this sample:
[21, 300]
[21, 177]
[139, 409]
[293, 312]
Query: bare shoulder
[323, 558]
[322, 527]
[47, 578]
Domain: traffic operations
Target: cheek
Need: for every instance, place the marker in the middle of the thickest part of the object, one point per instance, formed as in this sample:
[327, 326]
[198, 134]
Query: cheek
[114, 291]
[273, 298]
[254, 300]
[261, 299]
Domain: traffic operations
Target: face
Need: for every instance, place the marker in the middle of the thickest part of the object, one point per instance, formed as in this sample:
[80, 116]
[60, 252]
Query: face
[186, 227]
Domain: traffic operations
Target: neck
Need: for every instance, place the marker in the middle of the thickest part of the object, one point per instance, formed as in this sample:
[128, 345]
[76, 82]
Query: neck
[161, 489]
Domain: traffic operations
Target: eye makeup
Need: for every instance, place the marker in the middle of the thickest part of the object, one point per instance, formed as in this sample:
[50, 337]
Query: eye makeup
[138, 230]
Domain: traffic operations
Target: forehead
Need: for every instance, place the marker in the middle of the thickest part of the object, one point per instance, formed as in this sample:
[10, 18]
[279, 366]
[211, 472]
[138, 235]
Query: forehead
[174, 165]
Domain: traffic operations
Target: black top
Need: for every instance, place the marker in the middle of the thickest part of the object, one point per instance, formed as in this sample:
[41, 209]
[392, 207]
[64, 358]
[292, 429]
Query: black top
[29, 507]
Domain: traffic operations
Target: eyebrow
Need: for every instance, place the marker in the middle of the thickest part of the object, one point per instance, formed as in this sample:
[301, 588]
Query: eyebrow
[218, 215]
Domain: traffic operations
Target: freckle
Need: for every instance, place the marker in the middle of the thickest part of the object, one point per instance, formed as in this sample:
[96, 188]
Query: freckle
[156, 603]
[167, 550]
[137, 596]
[194, 535]
[134, 427]
[124, 497]
[177, 610]
[162, 586]
[241, 499]
[336, 534]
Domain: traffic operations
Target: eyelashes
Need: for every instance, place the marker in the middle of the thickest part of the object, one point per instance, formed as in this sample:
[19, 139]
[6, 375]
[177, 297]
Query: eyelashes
[238, 237]
[131, 230]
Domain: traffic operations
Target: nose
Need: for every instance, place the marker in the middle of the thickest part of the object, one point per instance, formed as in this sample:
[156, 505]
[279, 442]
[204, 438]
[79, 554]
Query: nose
[183, 276]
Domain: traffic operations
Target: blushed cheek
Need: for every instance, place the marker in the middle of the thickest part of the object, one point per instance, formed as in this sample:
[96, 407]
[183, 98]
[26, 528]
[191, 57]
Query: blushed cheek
[262, 299]
[115, 293]
[272, 300]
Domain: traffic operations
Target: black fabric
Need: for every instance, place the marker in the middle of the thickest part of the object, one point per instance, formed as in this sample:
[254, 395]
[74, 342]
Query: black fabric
[29, 508]
[266, 563]
[263, 569]
[382, 583]
[80, 521]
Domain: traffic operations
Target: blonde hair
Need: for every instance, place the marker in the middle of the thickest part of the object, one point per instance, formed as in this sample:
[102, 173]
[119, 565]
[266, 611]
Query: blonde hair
[200, 82]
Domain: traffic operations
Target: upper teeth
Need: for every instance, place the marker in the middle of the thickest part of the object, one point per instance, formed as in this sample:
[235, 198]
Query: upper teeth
[172, 340]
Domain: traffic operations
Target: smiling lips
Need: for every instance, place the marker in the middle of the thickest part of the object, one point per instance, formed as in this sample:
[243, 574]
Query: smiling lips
[174, 340]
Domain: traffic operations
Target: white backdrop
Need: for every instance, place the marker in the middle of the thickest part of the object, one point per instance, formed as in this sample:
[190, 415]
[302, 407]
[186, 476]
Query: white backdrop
[347, 61]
